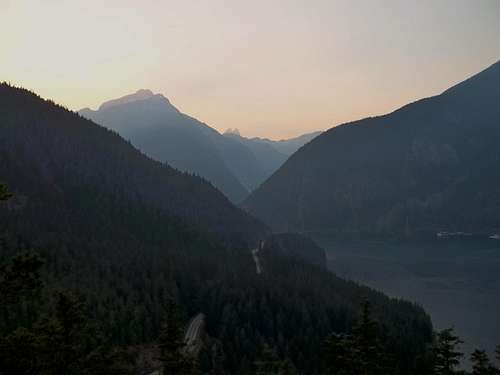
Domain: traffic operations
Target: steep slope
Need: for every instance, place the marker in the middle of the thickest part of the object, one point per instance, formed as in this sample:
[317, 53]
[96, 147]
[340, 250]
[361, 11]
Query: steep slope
[268, 157]
[431, 165]
[128, 233]
[162, 132]
[293, 245]
[270, 154]
[46, 147]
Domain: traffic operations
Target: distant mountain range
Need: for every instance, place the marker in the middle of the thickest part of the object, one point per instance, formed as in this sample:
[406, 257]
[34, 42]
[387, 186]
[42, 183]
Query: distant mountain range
[432, 165]
[271, 154]
[234, 165]
[289, 146]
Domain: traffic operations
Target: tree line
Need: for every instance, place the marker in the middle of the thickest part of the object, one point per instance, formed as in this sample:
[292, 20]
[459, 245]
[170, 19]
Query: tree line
[360, 353]
[67, 342]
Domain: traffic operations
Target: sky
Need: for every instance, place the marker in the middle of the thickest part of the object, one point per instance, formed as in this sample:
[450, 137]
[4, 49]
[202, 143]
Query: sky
[274, 68]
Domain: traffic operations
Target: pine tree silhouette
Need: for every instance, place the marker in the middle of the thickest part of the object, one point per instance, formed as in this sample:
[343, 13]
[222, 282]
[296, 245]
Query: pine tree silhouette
[268, 362]
[481, 364]
[446, 354]
[359, 353]
[4, 193]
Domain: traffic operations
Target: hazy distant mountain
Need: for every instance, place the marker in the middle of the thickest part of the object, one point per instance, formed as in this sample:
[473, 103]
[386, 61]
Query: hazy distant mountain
[161, 131]
[431, 165]
[270, 158]
[271, 154]
[289, 146]
[137, 96]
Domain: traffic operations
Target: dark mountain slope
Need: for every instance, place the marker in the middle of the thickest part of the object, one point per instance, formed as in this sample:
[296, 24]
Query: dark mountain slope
[162, 132]
[46, 147]
[293, 245]
[128, 233]
[431, 165]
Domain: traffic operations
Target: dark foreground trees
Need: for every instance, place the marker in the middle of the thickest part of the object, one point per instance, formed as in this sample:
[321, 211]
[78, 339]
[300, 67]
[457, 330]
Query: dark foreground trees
[173, 351]
[58, 345]
[269, 363]
[361, 353]
[61, 341]
[4, 192]
[446, 356]
[358, 353]
[446, 353]
[481, 364]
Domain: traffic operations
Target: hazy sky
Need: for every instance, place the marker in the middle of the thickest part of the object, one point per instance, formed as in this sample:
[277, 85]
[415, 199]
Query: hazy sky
[269, 68]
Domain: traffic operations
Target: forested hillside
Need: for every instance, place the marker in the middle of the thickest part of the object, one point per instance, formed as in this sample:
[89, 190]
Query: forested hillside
[430, 166]
[50, 154]
[293, 245]
[161, 131]
[128, 234]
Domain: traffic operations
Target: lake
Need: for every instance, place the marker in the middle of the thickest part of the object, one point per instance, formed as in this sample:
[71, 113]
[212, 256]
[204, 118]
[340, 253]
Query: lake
[456, 280]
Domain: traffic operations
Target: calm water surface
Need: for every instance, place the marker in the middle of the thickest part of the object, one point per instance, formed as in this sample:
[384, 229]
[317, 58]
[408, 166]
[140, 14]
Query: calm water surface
[457, 281]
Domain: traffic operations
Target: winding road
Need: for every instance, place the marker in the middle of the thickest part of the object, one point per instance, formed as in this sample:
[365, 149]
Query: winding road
[255, 256]
[193, 332]
[256, 259]
[191, 337]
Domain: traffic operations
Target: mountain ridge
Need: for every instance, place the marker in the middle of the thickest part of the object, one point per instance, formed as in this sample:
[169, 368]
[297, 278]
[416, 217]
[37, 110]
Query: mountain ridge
[161, 131]
[406, 172]
[141, 94]
[234, 164]
[270, 154]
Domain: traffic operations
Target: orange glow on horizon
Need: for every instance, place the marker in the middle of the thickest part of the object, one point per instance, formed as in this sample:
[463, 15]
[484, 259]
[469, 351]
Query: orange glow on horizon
[272, 70]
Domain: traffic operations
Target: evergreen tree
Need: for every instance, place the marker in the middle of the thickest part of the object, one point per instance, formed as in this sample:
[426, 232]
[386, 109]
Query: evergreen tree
[481, 364]
[360, 353]
[4, 192]
[368, 354]
[287, 368]
[338, 355]
[268, 362]
[60, 344]
[20, 277]
[446, 354]
[497, 355]
[171, 343]
[217, 360]
[18, 353]
[63, 337]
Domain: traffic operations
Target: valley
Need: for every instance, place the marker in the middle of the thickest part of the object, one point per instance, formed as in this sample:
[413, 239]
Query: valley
[250, 188]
